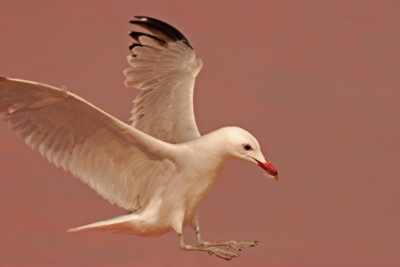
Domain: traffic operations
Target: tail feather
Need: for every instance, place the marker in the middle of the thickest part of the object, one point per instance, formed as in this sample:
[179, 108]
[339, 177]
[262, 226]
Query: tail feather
[118, 224]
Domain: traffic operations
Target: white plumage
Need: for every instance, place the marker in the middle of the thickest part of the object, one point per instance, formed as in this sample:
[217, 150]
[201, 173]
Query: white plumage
[160, 168]
[165, 75]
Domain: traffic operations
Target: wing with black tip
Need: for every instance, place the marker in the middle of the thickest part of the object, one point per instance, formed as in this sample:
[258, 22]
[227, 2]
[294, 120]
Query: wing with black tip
[163, 67]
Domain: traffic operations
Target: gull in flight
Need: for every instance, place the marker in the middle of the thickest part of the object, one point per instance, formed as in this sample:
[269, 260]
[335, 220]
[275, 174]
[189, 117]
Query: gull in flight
[159, 168]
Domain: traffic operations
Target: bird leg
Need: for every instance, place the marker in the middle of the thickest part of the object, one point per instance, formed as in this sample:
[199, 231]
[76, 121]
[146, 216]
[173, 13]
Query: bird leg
[226, 255]
[236, 245]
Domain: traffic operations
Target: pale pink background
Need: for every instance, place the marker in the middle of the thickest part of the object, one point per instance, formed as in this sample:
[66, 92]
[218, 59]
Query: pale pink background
[316, 81]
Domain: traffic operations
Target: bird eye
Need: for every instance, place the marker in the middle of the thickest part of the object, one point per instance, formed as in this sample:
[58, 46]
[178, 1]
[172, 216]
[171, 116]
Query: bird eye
[247, 147]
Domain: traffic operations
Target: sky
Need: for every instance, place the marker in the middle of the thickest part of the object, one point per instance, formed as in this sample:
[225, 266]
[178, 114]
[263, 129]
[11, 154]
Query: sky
[315, 81]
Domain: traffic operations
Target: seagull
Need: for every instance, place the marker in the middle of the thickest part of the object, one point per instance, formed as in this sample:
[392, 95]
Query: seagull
[159, 168]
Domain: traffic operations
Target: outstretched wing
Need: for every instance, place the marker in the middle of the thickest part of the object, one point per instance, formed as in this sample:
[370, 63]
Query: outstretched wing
[122, 164]
[164, 68]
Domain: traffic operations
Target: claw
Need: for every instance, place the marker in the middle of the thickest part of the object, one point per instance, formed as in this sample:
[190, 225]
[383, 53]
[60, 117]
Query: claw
[240, 245]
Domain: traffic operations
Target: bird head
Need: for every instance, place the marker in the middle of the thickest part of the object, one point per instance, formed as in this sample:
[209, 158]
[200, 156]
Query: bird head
[244, 145]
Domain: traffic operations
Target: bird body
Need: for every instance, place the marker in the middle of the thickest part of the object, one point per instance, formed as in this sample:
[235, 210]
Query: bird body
[159, 168]
[195, 169]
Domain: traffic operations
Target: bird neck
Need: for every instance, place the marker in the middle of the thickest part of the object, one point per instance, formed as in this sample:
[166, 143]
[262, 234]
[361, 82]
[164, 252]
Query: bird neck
[212, 147]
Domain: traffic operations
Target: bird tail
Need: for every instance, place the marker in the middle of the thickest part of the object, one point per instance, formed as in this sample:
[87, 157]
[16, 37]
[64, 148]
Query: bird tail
[116, 224]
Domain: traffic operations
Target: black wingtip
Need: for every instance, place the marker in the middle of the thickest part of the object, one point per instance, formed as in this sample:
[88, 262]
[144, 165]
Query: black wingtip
[160, 29]
[136, 35]
[134, 45]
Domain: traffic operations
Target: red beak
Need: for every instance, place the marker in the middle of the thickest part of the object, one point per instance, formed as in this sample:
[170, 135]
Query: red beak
[268, 167]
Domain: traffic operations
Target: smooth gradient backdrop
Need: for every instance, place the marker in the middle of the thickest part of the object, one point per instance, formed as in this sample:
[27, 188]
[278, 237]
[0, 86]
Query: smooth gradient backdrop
[317, 82]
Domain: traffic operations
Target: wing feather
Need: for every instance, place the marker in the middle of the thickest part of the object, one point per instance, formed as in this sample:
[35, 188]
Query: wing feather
[163, 67]
[122, 164]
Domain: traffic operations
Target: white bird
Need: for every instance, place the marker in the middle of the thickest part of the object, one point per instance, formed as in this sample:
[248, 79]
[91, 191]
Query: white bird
[160, 168]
